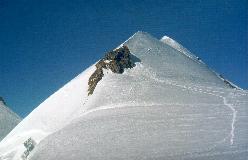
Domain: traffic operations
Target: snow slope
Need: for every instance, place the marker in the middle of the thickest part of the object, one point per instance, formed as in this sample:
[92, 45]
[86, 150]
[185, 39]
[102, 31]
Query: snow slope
[53, 114]
[174, 44]
[8, 119]
[167, 107]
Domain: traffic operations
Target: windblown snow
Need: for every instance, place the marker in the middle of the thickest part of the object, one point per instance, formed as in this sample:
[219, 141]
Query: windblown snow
[8, 119]
[169, 106]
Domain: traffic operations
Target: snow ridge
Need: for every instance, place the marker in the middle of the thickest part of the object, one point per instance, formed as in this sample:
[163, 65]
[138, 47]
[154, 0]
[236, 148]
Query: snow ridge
[169, 93]
[174, 44]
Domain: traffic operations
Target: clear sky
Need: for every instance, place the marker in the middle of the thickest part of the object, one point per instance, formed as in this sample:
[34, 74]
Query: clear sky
[46, 43]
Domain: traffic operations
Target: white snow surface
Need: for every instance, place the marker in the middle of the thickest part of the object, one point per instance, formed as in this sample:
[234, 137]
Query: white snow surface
[174, 44]
[169, 106]
[8, 120]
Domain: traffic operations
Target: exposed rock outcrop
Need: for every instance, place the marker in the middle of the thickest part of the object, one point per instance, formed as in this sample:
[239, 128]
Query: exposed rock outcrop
[2, 100]
[227, 82]
[116, 60]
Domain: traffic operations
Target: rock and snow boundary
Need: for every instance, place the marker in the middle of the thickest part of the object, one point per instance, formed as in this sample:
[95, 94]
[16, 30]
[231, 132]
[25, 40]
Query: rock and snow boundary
[116, 60]
[163, 105]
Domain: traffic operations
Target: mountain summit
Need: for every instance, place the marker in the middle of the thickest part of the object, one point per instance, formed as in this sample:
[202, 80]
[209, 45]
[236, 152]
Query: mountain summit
[149, 100]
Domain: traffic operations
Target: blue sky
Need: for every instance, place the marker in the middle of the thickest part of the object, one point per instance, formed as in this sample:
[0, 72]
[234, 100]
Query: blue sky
[46, 43]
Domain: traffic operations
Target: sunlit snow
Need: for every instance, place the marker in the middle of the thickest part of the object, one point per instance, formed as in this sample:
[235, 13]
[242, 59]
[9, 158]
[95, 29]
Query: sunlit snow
[8, 119]
[169, 106]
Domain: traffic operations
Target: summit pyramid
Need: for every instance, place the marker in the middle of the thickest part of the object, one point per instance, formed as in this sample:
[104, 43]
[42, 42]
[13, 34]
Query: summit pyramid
[146, 99]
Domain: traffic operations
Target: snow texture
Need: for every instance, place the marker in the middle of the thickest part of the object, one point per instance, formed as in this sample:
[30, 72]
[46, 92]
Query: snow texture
[8, 119]
[174, 44]
[169, 106]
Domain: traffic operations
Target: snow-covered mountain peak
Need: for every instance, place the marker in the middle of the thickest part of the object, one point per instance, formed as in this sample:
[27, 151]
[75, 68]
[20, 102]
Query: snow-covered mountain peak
[171, 60]
[137, 35]
[164, 84]
[174, 44]
[177, 46]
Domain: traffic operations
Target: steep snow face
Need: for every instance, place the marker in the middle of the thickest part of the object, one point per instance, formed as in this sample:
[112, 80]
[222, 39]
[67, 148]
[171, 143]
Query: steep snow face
[174, 44]
[169, 63]
[8, 119]
[53, 114]
[177, 46]
[168, 105]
